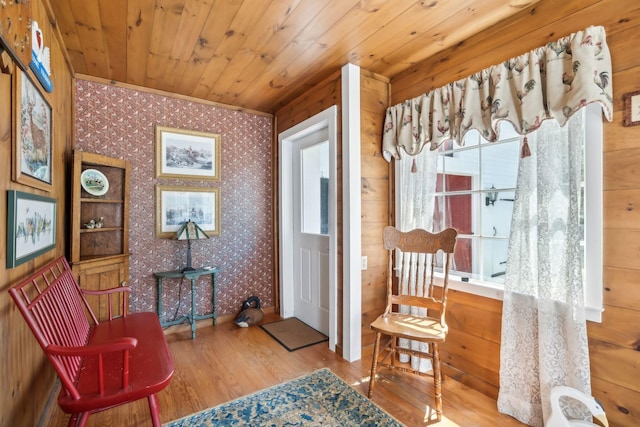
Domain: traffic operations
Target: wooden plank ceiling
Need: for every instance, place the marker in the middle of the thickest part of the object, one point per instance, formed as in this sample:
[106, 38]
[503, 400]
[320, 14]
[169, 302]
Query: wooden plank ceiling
[260, 54]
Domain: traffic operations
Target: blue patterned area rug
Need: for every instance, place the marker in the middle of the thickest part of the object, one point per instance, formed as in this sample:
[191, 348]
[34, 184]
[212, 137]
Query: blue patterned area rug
[318, 399]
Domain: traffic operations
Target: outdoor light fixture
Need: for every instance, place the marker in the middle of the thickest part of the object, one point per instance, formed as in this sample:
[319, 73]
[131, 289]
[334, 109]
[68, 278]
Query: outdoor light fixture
[190, 231]
[492, 196]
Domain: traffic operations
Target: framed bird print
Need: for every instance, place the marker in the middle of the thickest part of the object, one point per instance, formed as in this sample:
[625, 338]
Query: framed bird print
[631, 109]
[31, 226]
[32, 142]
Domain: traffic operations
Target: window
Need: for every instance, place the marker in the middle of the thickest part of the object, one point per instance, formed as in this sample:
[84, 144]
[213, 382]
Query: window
[474, 193]
[314, 171]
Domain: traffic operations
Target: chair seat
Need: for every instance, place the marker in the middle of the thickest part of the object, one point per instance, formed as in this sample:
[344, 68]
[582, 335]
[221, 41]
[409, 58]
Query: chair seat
[412, 327]
[146, 375]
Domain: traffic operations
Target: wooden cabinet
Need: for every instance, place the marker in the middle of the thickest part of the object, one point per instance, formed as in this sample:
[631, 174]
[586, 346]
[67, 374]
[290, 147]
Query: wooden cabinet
[100, 224]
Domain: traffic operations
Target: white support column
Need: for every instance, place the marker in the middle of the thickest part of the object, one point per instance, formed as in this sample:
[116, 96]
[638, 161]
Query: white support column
[351, 203]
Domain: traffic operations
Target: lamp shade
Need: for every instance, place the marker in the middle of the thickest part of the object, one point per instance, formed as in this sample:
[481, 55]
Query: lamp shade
[190, 231]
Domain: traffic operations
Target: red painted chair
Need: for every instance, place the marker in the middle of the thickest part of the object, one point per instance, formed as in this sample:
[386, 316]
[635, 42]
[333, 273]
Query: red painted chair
[100, 364]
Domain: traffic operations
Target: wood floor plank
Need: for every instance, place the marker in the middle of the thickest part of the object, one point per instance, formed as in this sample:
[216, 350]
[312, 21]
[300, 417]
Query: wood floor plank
[226, 362]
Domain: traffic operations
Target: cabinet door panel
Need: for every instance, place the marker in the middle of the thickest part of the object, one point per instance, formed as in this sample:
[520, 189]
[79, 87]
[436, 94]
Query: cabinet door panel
[100, 277]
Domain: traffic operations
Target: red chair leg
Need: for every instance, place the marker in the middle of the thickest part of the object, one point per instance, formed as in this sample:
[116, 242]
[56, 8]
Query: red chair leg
[155, 410]
[374, 364]
[78, 420]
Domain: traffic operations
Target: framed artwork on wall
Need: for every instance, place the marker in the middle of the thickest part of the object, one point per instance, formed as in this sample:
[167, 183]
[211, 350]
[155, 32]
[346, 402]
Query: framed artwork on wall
[187, 154]
[31, 226]
[631, 109]
[175, 205]
[33, 130]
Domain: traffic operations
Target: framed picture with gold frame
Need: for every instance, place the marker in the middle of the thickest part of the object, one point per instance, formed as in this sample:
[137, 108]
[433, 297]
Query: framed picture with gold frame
[187, 154]
[33, 129]
[177, 204]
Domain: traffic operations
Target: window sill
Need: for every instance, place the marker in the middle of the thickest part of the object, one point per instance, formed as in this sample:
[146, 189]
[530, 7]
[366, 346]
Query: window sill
[593, 314]
[483, 289]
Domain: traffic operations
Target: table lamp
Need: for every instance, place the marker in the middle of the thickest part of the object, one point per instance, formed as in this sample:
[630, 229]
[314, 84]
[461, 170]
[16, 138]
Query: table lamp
[190, 231]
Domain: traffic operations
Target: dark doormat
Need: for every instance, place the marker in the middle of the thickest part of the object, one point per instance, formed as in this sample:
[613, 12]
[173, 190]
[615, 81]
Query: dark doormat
[293, 333]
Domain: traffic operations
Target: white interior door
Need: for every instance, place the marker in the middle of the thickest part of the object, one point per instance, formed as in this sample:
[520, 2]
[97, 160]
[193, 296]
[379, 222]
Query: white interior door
[326, 121]
[310, 157]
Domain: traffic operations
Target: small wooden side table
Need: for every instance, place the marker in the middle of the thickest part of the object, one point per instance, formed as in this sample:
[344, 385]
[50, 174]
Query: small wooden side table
[190, 275]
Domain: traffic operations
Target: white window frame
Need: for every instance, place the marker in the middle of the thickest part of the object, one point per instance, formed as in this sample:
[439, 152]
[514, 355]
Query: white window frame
[593, 214]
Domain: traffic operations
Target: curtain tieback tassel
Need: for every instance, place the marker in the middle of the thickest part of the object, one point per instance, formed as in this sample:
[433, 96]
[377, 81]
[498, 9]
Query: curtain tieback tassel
[414, 166]
[525, 151]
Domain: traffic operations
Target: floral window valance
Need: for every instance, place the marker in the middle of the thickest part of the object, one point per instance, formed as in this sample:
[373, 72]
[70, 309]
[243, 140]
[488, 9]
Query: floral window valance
[552, 81]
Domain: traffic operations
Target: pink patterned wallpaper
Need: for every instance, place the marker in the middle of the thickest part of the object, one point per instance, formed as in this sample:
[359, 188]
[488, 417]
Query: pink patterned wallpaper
[120, 123]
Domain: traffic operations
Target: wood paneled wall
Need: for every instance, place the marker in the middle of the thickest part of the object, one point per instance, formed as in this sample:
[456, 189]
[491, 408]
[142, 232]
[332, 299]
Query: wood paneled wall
[472, 350]
[375, 194]
[26, 378]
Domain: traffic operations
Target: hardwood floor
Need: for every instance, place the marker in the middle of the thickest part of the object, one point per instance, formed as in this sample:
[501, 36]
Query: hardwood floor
[226, 362]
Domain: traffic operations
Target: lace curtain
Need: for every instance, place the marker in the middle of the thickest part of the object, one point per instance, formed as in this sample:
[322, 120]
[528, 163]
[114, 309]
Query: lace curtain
[417, 195]
[553, 81]
[544, 336]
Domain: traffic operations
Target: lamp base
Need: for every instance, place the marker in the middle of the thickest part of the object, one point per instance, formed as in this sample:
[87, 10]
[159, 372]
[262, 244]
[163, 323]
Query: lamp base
[188, 267]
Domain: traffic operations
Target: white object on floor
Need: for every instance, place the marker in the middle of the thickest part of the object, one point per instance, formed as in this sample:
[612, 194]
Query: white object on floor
[558, 419]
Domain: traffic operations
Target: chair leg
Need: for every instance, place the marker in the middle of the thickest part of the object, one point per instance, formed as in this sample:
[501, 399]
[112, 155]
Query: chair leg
[374, 364]
[78, 420]
[431, 351]
[394, 352]
[437, 380]
[155, 410]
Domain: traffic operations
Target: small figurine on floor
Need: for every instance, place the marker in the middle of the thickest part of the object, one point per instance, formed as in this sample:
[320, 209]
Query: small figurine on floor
[558, 418]
[249, 315]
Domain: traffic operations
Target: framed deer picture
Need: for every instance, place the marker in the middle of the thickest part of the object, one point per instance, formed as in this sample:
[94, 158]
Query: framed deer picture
[33, 126]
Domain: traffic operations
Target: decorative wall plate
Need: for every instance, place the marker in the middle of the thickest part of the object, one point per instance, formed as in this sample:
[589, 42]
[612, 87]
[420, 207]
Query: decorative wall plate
[94, 182]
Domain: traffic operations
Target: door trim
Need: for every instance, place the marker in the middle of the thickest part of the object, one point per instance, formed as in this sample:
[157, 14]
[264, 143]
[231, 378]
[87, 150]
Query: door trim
[286, 139]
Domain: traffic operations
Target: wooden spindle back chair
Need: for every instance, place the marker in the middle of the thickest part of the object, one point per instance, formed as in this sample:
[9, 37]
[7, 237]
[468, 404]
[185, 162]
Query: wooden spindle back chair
[415, 309]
